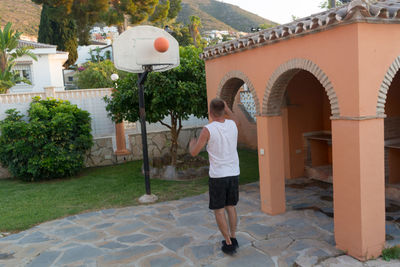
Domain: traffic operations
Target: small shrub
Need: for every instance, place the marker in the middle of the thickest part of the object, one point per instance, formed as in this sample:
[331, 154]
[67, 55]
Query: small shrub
[52, 144]
[391, 253]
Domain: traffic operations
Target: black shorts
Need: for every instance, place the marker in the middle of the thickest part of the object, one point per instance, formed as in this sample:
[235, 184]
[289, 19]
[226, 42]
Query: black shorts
[223, 192]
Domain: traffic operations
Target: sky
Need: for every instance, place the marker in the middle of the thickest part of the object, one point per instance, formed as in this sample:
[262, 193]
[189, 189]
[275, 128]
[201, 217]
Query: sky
[279, 11]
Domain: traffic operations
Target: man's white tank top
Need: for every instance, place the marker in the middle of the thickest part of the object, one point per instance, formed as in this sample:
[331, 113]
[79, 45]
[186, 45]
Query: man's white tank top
[221, 148]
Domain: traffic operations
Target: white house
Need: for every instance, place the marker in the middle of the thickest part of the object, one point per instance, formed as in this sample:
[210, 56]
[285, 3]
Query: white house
[46, 71]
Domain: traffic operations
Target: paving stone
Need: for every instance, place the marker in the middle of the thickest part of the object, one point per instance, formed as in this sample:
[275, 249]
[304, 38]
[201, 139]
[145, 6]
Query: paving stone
[258, 230]
[131, 252]
[88, 236]
[165, 261]
[88, 215]
[130, 227]
[191, 209]
[175, 243]
[36, 237]
[45, 258]
[202, 251]
[113, 245]
[69, 232]
[104, 225]
[190, 220]
[79, 253]
[132, 238]
[108, 211]
[12, 237]
[6, 256]
[248, 257]
[274, 247]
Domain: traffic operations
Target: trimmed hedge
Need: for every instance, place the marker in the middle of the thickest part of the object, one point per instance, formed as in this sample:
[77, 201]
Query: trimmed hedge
[51, 144]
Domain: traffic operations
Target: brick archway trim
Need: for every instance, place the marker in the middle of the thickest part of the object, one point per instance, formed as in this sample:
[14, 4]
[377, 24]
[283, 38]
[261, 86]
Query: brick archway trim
[385, 85]
[279, 80]
[237, 75]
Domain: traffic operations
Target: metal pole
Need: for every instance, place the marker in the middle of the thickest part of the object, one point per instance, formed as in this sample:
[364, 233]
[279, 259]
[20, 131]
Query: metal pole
[142, 112]
[333, 3]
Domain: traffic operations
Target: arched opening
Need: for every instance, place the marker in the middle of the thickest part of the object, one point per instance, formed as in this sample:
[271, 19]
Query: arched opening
[238, 92]
[392, 160]
[301, 101]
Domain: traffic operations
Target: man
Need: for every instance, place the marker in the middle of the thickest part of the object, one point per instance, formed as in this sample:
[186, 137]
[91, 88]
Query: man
[221, 135]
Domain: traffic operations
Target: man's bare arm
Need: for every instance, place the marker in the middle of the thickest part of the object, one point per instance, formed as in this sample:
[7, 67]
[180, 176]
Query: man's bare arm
[195, 146]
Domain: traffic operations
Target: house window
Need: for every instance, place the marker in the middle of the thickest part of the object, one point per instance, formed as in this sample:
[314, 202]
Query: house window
[70, 79]
[24, 71]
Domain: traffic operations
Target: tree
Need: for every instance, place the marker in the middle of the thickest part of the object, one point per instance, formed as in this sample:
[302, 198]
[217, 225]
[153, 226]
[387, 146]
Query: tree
[327, 3]
[9, 52]
[59, 30]
[181, 34]
[194, 29]
[96, 75]
[136, 11]
[177, 93]
[84, 13]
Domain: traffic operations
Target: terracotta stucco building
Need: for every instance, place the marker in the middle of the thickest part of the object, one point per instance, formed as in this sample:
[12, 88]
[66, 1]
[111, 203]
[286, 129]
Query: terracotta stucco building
[327, 92]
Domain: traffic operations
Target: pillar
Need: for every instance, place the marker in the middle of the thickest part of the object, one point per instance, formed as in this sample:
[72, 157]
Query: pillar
[271, 164]
[120, 140]
[358, 186]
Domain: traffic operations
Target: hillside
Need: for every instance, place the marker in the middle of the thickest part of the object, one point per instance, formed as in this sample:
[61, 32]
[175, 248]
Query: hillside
[220, 16]
[25, 15]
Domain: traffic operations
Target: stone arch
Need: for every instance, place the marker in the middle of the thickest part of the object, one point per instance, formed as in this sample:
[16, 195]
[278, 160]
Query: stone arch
[279, 80]
[385, 85]
[231, 83]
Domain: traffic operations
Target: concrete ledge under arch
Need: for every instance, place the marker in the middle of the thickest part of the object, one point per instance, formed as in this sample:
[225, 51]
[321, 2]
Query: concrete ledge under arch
[236, 79]
[281, 77]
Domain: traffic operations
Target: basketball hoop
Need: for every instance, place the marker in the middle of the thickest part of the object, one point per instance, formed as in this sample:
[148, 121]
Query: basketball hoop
[145, 45]
[143, 49]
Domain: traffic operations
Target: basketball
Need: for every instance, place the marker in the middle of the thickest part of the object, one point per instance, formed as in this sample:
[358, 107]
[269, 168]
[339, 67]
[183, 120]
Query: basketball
[161, 44]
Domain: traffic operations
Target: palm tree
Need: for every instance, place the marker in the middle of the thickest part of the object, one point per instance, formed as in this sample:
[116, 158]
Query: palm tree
[194, 29]
[9, 52]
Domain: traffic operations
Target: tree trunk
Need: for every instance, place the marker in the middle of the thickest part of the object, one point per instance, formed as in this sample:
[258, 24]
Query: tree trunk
[174, 140]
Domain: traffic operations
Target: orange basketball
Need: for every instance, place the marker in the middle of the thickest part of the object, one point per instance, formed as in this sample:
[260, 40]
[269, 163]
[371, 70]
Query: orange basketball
[161, 44]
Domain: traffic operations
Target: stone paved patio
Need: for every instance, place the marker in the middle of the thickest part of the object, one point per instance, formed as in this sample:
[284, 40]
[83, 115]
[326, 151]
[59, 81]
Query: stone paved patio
[183, 233]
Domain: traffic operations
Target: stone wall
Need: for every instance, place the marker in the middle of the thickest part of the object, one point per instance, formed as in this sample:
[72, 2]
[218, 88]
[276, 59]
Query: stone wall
[102, 152]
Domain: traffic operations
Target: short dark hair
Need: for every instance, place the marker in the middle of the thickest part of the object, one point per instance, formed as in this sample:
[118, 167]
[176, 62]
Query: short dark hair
[217, 107]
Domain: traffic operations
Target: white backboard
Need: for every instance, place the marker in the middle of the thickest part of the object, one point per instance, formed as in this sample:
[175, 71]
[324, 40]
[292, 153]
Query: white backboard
[134, 49]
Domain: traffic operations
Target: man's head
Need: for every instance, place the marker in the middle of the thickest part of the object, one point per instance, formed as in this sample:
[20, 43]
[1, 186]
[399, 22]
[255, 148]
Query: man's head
[217, 107]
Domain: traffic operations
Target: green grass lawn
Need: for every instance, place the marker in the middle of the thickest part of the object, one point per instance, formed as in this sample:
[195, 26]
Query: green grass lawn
[24, 205]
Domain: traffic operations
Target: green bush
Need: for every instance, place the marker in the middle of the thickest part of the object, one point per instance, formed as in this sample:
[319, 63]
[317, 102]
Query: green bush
[96, 75]
[392, 253]
[51, 144]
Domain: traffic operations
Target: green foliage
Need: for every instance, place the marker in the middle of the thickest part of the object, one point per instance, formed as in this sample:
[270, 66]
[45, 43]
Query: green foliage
[181, 34]
[177, 93]
[266, 25]
[51, 144]
[83, 13]
[392, 253]
[9, 52]
[60, 30]
[96, 56]
[96, 75]
[327, 4]
[138, 11]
